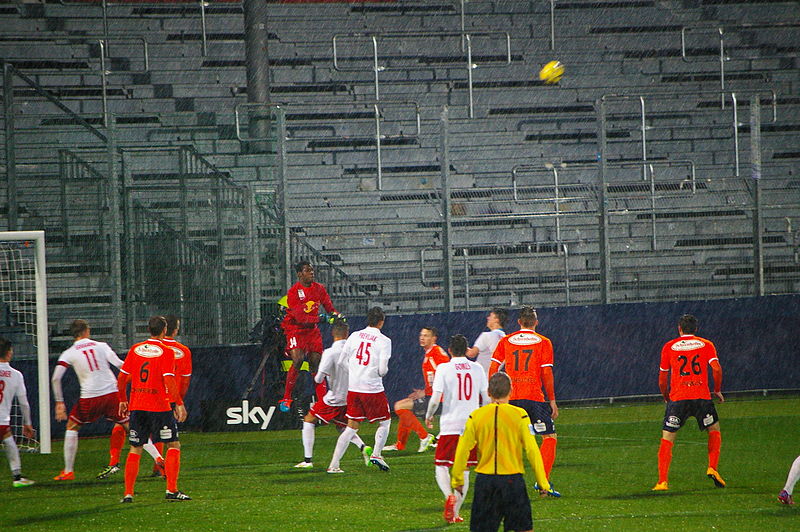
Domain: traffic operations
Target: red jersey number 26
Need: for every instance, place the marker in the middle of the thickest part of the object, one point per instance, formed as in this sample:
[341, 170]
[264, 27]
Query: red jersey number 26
[362, 353]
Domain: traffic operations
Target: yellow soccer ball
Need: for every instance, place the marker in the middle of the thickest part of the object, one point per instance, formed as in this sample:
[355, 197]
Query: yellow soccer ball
[551, 72]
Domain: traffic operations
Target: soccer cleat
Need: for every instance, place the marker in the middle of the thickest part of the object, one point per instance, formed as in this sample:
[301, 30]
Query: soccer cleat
[425, 443]
[536, 485]
[457, 519]
[108, 471]
[713, 475]
[304, 465]
[127, 499]
[366, 452]
[285, 405]
[379, 461]
[392, 447]
[65, 476]
[22, 482]
[661, 486]
[450, 508]
[177, 496]
[553, 493]
[785, 497]
[158, 469]
[334, 470]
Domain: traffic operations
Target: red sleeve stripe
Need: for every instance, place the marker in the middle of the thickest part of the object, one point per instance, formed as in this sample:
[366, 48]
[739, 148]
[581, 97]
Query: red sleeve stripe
[63, 364]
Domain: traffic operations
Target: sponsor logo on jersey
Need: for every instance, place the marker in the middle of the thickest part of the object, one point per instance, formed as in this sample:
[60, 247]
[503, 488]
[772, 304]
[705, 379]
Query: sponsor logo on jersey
[539, 426]
[309, 307]
[148, 351]
[133, 436]
[525, 339]
[243, 415]
[179, 353]
[673, 421]
[708, 420]
[300, 293]
[165, 433]
[688, 345]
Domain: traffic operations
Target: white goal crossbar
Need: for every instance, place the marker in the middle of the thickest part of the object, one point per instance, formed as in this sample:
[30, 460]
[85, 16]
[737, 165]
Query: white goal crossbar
[42, 353]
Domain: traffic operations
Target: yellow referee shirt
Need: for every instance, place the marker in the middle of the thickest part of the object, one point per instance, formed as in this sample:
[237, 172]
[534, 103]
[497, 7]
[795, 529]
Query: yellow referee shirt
[501, 432]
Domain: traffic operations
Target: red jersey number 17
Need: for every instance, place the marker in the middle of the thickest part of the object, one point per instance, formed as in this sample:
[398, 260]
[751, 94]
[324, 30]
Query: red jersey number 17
[362, 354]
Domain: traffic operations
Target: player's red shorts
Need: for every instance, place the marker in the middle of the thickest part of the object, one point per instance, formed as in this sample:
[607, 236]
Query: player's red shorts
[446, 451]
[91, 409]
[309, 340]
[4, 429]
[367, 406]
[327, 413]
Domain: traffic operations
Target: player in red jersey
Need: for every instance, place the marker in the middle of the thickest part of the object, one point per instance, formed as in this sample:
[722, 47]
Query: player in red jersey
[183, 375]
[527, 357]
[684, 362]
[300, 326]
[417, 402]
[150, 367]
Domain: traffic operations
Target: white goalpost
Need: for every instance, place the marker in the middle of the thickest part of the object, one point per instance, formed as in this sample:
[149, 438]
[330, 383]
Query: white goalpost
[23, 294]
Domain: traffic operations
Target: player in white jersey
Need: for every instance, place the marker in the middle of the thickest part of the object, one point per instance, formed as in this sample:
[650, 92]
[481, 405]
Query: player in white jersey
[12, 385]
[91, 361]
[366, 353]
[333, 405]
[486, 342]
[460, 385]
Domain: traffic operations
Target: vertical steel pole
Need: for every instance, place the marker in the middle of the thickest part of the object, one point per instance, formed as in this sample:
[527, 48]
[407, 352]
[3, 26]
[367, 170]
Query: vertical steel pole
[375, 66]
[755, 173]
[604, 251]
[282, 194]
[131, 228]
[444, 158]
[378, 146]
[219, 194]
[256, 38]
[203, 26]
[469, 76]
[116, 225]
[104, 81]
[552, 24]
[566, 272]
[466, 279]
[557, 204]
[253, 244]
[104, 51]
[11, 159]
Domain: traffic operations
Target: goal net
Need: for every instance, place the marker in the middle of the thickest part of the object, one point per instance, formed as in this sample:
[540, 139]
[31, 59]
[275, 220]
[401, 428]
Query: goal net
[23, 321]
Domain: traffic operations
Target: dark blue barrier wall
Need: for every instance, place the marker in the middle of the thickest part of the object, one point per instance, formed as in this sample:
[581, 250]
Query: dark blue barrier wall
[601, 350]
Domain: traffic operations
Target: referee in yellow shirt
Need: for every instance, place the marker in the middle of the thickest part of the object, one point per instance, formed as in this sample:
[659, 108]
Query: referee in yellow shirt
[501, 432]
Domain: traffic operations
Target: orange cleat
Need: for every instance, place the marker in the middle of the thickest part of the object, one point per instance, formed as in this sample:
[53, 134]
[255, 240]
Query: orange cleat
[65, 476]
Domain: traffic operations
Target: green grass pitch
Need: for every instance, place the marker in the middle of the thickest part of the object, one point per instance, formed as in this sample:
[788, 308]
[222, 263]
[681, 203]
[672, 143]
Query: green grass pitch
[605, 467]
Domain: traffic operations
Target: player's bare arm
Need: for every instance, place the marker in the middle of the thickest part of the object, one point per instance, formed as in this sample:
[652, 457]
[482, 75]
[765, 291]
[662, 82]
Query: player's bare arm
[61, 411]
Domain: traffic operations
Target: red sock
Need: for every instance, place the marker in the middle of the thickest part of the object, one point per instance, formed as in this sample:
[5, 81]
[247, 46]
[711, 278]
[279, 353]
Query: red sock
[173, 467]
[291, 378]
[116, 442]
[548, 454]
[131, 471]
[714, 444]
[408, 422]
[664, 459]
[160, 448]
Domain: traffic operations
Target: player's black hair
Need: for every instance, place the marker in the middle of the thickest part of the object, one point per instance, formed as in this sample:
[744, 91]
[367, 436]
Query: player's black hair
[374, 316]
[78, 327]
[499, 385]
[5, 347]
[172, 323]
[688, 324]
[300, 265]
[502, 316]
[528, 316]
[434, 331]
[156, 325]
[340, 329]
[458, 345]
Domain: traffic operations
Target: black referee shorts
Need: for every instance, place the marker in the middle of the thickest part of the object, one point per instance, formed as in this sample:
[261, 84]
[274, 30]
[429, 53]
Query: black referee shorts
[499, 498]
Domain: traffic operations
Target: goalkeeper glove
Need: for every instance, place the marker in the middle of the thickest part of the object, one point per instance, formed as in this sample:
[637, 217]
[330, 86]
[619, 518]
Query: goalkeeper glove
[336, 316]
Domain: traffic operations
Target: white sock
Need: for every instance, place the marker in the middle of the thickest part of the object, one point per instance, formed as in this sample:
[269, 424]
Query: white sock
[461, 498]
[13, 455]
[442, 474]
[70, 449]
[308, 440]
[357, 441]
[794, 474]
[341, 446]
[151, 450]
[381, 436]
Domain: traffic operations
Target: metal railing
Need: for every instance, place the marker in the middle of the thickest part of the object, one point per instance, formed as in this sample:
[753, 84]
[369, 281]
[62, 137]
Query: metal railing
[377, 67]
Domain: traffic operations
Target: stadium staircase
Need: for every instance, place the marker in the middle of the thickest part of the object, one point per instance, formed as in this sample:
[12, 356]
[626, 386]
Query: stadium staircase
[687, 232]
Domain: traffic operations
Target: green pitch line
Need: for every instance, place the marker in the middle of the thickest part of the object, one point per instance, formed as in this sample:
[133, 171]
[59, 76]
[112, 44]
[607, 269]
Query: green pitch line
[605, 467]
